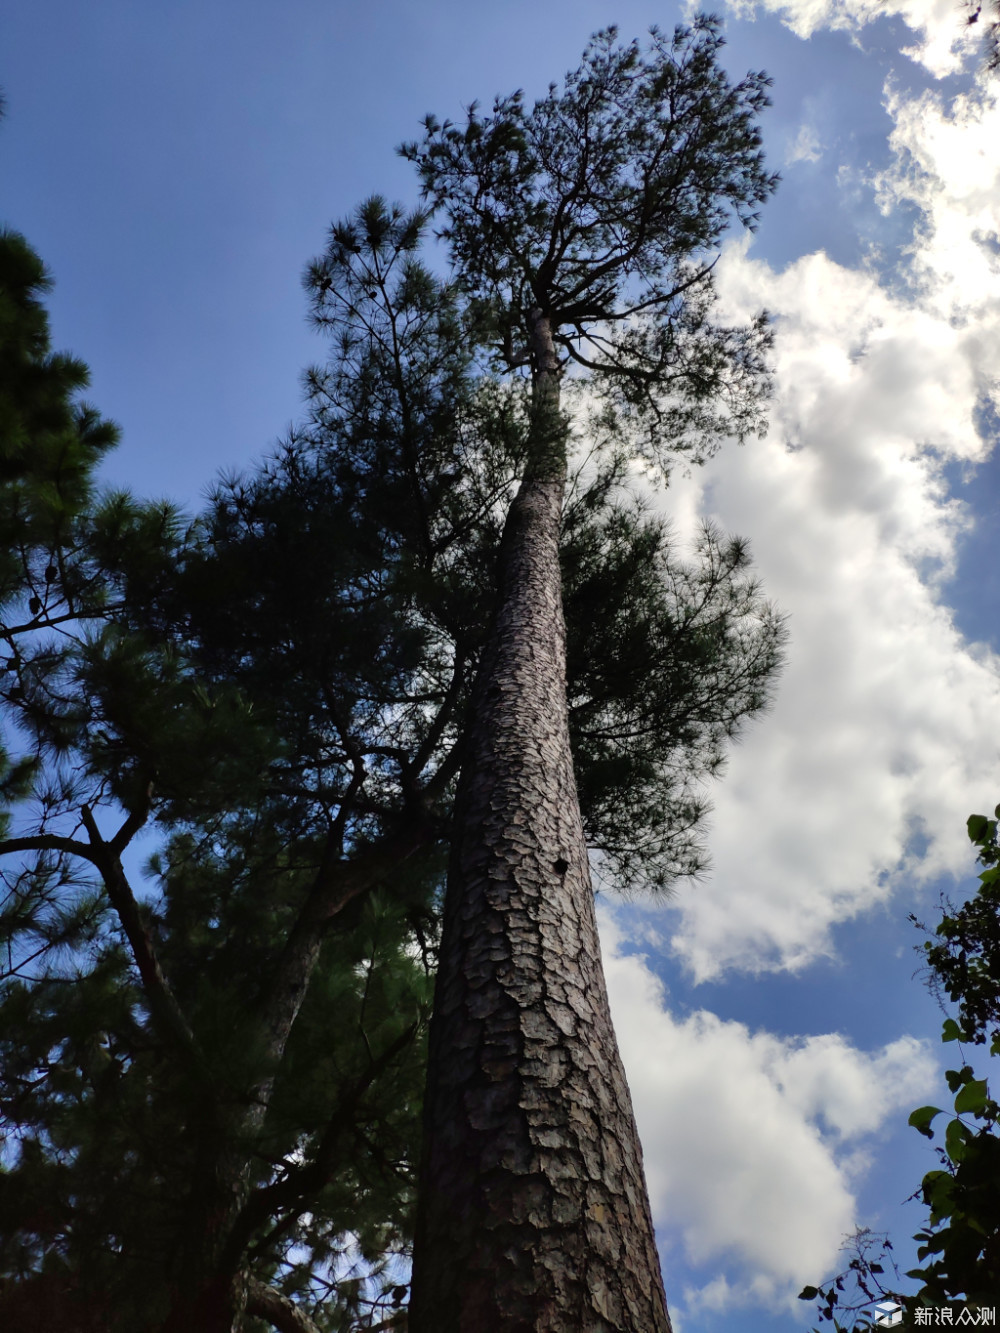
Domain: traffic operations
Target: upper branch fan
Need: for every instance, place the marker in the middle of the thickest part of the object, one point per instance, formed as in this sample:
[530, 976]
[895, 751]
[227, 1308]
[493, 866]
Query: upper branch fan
[603, 208]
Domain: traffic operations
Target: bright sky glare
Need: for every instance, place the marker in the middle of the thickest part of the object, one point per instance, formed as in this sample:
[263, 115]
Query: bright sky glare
[176, 166]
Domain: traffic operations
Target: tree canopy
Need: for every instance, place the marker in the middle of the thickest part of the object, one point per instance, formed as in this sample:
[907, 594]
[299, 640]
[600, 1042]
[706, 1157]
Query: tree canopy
[602, 208]
[210, 1062]
[582, 236]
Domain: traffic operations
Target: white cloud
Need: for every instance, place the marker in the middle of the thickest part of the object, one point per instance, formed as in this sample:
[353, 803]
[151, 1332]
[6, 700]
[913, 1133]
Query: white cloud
[805, 147]
[885, 723]
[885, 718]
[883, 738]
[947, 164]
[750, 1140]
[943, 38]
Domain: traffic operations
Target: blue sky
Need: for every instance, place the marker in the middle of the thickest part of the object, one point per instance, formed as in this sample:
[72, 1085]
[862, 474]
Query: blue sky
[176, 166]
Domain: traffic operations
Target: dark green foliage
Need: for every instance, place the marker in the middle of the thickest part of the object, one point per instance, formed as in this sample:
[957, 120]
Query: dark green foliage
[959, 1248]
[50, 443]
[210, 1070]
[965, 962]
[961, 1243]
[665, 661]
[114, 1139]
[238, 688]
[601, 207]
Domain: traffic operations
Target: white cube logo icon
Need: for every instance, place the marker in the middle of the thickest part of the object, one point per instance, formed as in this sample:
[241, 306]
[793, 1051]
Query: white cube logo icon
[892, 1314]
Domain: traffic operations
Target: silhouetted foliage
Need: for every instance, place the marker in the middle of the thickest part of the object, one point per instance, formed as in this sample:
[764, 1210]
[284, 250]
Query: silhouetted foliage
[210, 1064]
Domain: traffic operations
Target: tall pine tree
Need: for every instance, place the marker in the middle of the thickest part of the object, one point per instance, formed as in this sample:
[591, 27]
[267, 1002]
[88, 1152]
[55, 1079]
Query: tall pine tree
[210, 1071]
[582, 233]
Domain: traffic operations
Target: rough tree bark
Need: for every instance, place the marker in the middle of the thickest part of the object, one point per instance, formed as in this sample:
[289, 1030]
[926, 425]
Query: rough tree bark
[533, 1209]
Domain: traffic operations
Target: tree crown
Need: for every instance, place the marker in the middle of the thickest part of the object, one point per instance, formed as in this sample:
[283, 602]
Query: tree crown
[601, 208]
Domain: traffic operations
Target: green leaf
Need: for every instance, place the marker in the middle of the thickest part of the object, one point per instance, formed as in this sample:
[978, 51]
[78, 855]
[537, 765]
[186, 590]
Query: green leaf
[937, 1243]
[808, 1293]
[951, 1031]
[972, 1097]
[921, 1119]
[957, 1078]
[939, 1194]
[956, 1140]
[977, 825]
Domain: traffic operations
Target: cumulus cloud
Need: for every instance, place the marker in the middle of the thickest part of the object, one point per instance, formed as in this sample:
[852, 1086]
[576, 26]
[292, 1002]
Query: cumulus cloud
[885, 719]
[946, 163]
[750, 1140]
[883, 737]
[943, 39]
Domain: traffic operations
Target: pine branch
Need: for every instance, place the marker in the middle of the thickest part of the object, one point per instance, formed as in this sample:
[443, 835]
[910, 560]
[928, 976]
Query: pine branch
[280, 1311]
[162, 1001]
[337, 883]
[296, 1187]
[48, 842]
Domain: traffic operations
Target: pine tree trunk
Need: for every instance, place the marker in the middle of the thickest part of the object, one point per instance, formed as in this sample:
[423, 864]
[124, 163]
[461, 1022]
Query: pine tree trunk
[209, 1285]
[533, 1213]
